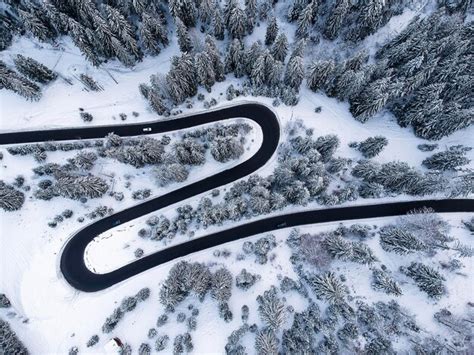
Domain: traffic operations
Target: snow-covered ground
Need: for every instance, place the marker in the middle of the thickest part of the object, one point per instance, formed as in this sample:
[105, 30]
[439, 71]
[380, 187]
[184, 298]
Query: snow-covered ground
[60, 317]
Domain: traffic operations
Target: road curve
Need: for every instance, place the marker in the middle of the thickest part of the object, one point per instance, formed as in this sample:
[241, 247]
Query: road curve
[72, 262]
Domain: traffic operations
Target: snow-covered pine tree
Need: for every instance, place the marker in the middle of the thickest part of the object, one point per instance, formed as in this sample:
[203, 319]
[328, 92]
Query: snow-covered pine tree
[272, 31]
[205, 70]
[213, 53]
[11, 199]
[336, 18]
[327, 287]
[371, 17]
[371, 100]
[251, 55]
[319, 73]
[218, 24]
[17, 83]
[156, 102]
[251, 13]
[295, 9]
[229, 5]
[237, 24]
[185, 10]
[34, 70]
[35, 23]
[83, 39]
[426, 278]
[450, 159]
[181, 79]
[123, 30]
[206, 11]
[234, 61]
[381, 281]
[75, 187]
[306, 19]
[221, 285]
[271, 309]
[266, 342]
[280, 48]
[153, 33]
[372, 146]
[184, 41]
[394, 239]
[294, 73]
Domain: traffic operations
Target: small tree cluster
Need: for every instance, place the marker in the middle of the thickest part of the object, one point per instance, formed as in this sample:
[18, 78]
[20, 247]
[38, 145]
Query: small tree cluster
[34, 70]
[451, 159]
[128, 304]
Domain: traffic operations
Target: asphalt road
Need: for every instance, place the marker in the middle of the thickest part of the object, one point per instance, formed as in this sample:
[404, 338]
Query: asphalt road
[72, 262]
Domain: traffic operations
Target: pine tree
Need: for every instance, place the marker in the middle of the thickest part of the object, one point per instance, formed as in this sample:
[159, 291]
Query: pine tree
[370, 17]
[153, 32]
[83, 39]
[294, 73]
[372, 146]
[271, 309]
[184, 41]
[123, 29]
[206, 11]
[295, 9]
[272, 31]
[34, 70]
[34, 23]
[213, 53]
[234, 61]
[251, 13]
[336, 18]
[185, 10]
[10, 198]
[426, 278]
[75, 187]
[393, 239]
[22, 86]
[280, 48]
[266, 342]
[319, 73]
[221, 285]
[205, 70]
[381, 281]
[306, 19]
[237, 26]
[327, 287]
[450, 159]
[371, 100]
[156, 103]
[218, 24]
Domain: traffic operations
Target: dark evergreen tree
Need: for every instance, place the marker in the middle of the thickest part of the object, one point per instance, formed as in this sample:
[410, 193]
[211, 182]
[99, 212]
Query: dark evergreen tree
[184, 41]
[280, 48]
[335, 19]
[272, 31]
[34, 70]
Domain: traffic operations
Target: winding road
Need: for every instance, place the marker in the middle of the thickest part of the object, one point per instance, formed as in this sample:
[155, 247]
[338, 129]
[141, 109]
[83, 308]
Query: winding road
[72, 262]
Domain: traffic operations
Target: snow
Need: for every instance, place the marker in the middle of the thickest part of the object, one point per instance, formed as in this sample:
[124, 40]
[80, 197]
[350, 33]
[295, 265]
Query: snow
[50, 316]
